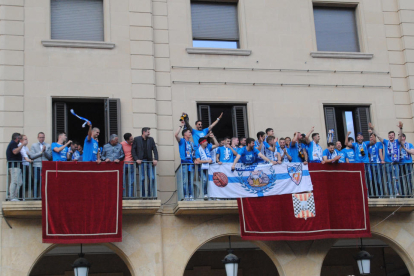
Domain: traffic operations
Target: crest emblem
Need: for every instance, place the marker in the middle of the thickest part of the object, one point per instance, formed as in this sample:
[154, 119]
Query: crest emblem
[258, 179]
[304, 205]
[295, 173]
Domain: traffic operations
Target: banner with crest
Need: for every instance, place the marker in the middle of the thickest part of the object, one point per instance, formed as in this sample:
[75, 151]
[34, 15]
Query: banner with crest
[257, 180]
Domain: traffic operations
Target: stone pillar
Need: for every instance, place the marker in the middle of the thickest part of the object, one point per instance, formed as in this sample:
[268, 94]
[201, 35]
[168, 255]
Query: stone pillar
[11, 76]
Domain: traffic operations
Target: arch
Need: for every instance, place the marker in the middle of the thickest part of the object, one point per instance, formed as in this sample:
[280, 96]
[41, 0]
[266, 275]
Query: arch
[111, 246]
[266, 249]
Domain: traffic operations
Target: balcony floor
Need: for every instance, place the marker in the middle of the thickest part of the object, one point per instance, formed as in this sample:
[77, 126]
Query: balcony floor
[34, 208]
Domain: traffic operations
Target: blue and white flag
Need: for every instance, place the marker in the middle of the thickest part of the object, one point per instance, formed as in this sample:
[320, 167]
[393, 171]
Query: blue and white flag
[86, 120]
[258, 180]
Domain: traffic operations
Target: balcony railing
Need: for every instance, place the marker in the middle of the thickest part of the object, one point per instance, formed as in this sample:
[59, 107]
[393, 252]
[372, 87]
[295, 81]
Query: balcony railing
[382, 180]
[139, 181]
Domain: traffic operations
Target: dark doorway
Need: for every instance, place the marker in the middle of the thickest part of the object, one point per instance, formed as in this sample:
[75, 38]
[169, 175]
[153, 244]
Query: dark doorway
[65, 121]
[232, 124]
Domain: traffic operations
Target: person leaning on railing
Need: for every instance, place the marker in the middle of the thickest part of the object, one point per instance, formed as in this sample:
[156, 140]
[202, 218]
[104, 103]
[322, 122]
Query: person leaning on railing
[112, 152]
[39, 152]
[14, 159]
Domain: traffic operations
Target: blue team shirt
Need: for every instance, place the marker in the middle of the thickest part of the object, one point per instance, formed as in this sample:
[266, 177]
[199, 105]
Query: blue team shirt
[225, 154]
[186, 149]
[249, 157]
[197, 134]
[342, 154]
[373, 150]
[59, 156]
[284, 159]
[330, 155]
[388, 151]
[208, 150]
[314, 152]
[405, 157]
[357, 150]
[350, 154]
[294, 152]
[262, 151]
[90, 150]
[76, 155]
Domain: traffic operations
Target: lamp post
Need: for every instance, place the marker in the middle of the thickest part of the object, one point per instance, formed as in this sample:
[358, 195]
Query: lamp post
[81, 265]
[363, 259]
[231, 262]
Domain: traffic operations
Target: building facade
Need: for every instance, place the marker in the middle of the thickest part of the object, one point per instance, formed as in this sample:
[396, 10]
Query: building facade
[140, 62]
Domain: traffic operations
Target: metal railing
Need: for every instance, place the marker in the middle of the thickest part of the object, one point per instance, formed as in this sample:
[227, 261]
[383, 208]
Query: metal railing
[382, 180]
[24, 181]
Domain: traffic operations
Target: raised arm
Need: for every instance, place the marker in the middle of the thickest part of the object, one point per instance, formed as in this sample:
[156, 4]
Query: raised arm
[19, 148]
[295, 139]
[187, 123]
[346, 138]
[400, 132]
[216, 144]
[177, 133]
[62, 147]
[410, 151]
[215, 122]
[371, 127]
[89, 131]
[309, 134]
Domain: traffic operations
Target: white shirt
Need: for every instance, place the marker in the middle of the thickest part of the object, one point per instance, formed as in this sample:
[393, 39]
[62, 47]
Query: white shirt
[24, 152]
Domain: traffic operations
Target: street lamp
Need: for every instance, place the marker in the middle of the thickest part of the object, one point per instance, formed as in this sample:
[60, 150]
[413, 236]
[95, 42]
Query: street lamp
[231, 262]
[363, 259]
[81, 265]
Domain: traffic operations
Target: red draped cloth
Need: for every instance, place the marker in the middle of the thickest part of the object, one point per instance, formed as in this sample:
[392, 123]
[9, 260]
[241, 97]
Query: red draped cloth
[338, 208]
[81, 202]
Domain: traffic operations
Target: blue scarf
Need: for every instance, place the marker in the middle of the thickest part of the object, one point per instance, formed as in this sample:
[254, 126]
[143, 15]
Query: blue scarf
[392, 151]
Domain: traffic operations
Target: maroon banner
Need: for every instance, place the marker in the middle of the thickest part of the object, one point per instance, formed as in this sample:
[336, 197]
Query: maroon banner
[337, 208]
[81, 202]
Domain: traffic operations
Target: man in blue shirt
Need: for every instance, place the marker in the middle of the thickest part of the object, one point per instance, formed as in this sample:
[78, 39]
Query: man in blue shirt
[391, 155]
[349, 152]
[314, 149]
[360, 148]
[271, 152]
[198, 131]
[374, 170]
[298, 148]
[260, 144]
[60, 150]
[406, 151]
[341, 154]
[204, 157]
[249, 154]
[284, 151]
[90, 146]
[186, 149]
[225, 153]
[330, 155]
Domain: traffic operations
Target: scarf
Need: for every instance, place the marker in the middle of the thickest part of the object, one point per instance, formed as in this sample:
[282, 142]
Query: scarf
[392, 150]
[204, 156]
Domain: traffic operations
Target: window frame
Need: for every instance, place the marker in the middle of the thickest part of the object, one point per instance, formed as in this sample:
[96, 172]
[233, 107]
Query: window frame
[242, 43]
[359, 18]
[105, 44]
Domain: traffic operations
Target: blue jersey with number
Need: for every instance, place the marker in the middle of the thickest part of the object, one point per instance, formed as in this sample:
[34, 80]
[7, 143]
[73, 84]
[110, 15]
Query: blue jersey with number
[225, 155]
[249, 157]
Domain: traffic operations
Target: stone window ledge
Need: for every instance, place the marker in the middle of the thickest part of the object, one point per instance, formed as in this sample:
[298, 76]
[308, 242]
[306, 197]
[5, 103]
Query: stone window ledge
[219, 51]
[78, 44]
[345, 55]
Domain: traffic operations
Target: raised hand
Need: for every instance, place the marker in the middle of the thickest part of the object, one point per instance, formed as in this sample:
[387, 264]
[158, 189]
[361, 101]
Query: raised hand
[370, 126]
[400, 124]
[221, 115]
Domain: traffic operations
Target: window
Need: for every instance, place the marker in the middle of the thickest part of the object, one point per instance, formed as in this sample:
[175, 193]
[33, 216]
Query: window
[336, 29]
[77, 20]
[103, 113]
[215, 25]
[233, 123]
[347, 118]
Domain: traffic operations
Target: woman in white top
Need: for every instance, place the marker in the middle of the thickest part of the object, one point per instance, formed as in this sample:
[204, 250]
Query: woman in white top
[26, 164]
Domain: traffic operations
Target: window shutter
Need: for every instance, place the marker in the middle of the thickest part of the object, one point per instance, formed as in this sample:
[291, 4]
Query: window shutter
[60, 119]
[77, 20]
[214, 21]
[113, 118]
[362, 118]
[330, 122]
[204, 115]
[239, 115]
[336, 29]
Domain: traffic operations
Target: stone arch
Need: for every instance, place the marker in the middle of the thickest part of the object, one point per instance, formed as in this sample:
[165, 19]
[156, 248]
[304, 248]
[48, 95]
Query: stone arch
[261, 245]
[111, 246]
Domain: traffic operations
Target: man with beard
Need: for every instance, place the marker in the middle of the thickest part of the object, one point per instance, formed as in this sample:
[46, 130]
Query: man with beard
[198, 131]
[330, 155]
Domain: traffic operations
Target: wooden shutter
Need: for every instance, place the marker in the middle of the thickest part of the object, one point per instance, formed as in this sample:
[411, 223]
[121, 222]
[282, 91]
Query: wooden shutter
[362, 119]
[330, 122]
[204, 115]
[239, 114]
[113, 118]
[60, 119]
[214, 21]
[77, 20]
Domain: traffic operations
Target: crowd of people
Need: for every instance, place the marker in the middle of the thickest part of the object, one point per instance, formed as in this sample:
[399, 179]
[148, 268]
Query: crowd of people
[133, 151]
[205, 149]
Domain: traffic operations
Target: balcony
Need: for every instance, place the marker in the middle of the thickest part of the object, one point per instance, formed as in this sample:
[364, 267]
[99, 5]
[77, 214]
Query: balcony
[137, 199]
[390, 186]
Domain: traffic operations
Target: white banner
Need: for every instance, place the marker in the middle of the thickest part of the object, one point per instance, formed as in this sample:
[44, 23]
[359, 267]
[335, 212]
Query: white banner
[257, 180]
